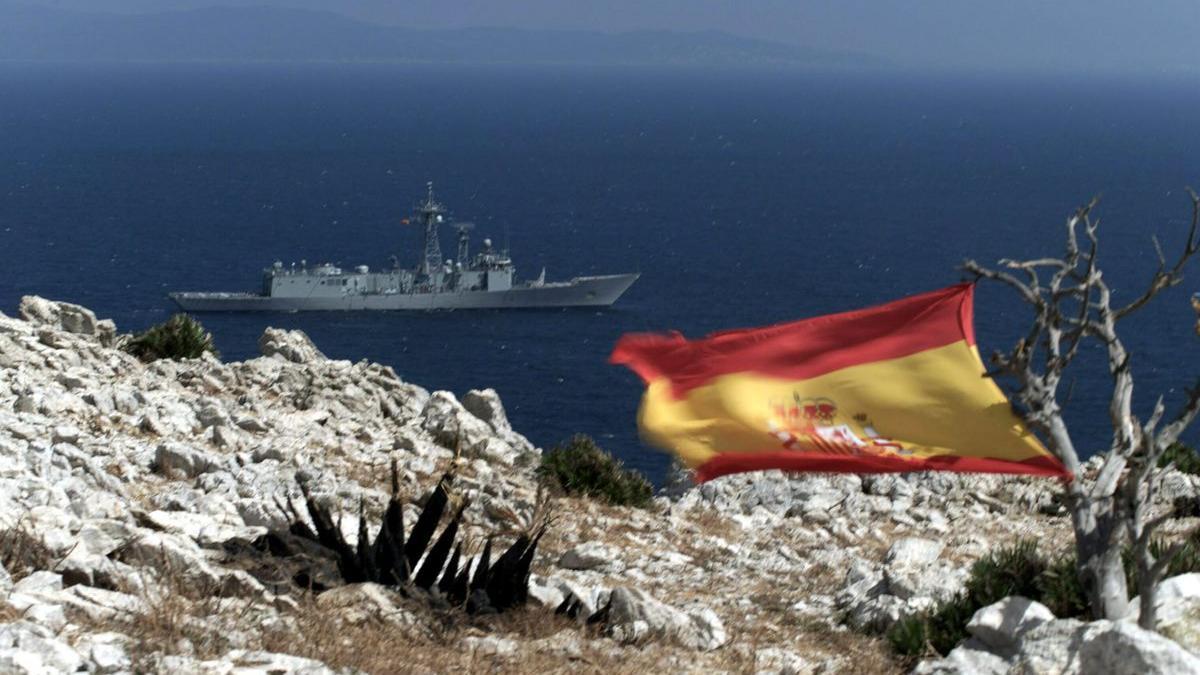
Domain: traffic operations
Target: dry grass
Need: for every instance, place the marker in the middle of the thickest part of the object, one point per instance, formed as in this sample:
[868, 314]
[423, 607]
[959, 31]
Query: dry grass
[22, 552]
[182, 618]
[182, 615]
[436, 645]
[861, 653]
[711, 522]
[8, 613]
[173, 624]
[382, 649]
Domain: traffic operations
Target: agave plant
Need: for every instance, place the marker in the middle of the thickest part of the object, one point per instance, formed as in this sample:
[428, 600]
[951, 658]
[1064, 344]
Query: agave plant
[394, 557]
[180, 337]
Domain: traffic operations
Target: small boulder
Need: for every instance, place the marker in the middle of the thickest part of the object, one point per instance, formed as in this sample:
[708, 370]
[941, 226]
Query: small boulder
[451, 425]
[289, 345]
[212, 415]
[46, 614]
[106, 652]
[964, 659]
[66, 317]
[65, 433]
[1122, 648]
[587, 556]
[41, 581]
[171, 457]
[913, 551]
[253, 424]
[485, 404]
[1001, 624]
[490, 645]
[633, 615]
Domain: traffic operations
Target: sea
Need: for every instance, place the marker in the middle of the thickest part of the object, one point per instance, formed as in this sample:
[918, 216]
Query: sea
[745, 197]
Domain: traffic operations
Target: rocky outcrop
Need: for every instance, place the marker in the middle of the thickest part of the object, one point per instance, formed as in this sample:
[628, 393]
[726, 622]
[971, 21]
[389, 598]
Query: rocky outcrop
[65, 317]
[155, 490]
[289, 345]
[634, 616]
[1017, 635]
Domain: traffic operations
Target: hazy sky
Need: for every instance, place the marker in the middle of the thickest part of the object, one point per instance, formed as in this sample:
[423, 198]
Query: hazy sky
[1108, 35]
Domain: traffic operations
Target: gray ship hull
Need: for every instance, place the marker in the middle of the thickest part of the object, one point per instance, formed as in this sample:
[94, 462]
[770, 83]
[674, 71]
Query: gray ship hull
[596, 291]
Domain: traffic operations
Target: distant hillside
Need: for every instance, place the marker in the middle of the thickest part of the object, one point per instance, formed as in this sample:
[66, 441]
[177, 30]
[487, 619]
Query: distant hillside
[266, 34]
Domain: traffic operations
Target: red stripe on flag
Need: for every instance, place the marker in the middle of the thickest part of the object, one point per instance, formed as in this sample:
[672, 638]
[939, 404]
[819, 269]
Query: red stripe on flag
[736, 462]
[808, 348]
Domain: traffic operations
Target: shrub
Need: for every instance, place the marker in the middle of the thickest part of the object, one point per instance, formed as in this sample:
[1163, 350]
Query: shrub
[180, 337]
[1183, 457]
[1011, 570]
[22, 552]
[581, 467]
[947, 626]
[1186, 560]
[1019, 570]
[1059, 588]
[908, 636]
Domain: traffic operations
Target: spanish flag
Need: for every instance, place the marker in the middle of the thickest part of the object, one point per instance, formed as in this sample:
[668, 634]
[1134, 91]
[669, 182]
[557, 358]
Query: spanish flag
[897, 387]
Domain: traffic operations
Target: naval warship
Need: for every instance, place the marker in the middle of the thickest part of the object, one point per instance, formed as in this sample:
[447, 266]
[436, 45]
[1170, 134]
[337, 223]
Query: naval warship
[486, 280]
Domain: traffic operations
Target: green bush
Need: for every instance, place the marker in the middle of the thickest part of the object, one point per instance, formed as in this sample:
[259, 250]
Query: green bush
[1183, 457]
[947, 626]
[1011, 570]
[908, 636]
[1186, 560]
[1020, 570]
[180, 337]
[1060, 590]
[581, 467]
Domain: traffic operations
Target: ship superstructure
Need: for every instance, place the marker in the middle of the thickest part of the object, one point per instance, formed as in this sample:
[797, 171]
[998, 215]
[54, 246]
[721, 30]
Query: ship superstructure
[485, 280]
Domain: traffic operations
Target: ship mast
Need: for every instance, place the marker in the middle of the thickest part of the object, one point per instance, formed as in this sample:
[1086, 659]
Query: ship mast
[431, 215]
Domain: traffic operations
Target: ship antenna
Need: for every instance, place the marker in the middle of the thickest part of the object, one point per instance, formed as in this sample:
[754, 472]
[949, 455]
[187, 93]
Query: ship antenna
[431, 216]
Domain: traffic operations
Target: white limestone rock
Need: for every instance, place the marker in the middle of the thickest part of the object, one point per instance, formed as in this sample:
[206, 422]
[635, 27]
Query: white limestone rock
[1122, 648]
[288, 345]
[965, 659]
[360, 603]
[171, 457]
[27, 648]
[913, 551]
[451, 426]
[245, 662]
[634, 615]
[490, 645]
[46, 614]
[211, 415]
[546, 595]
[588, 556]
[42, 581]
[202, 528]
[105, 652]
[66, 317]
[781, 661]
[1173, 594]
[485, 404]
[1000, 625]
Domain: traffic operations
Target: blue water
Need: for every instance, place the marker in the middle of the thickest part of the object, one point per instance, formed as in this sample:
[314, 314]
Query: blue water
[743, 197]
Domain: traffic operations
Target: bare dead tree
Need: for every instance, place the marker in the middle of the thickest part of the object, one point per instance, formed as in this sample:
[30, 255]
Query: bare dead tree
[1072, 304]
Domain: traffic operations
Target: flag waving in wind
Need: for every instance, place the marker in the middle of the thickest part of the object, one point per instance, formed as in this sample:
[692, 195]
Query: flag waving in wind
[897, 387]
